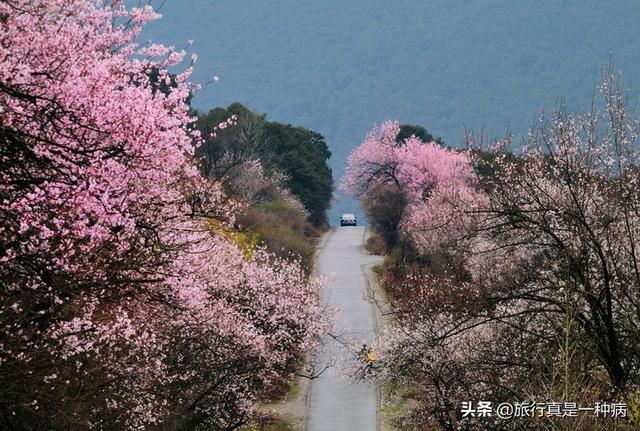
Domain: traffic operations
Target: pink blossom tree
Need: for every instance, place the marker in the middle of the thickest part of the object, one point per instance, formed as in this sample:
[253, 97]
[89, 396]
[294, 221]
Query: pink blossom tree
[422, 177]
[538, 299]
[125, 304]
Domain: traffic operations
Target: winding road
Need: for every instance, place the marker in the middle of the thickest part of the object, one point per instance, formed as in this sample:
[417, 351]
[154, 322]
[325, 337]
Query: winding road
[337, 403]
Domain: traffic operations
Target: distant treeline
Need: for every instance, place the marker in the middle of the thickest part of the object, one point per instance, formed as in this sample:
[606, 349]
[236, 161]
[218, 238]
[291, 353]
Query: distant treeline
[278, 171]
[299, 153]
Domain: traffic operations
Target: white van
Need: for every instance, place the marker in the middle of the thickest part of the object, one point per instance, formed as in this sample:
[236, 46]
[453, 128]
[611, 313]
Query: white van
[348, 220]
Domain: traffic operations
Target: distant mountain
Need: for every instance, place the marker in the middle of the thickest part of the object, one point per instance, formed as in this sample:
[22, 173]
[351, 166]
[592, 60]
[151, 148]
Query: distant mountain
[339, 67]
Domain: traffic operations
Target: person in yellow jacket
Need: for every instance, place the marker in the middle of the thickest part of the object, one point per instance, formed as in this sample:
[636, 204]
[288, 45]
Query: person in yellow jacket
[371, 355]
[367, 354]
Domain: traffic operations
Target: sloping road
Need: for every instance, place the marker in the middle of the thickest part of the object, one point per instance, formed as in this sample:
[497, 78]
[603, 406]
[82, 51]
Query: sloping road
[336, 403]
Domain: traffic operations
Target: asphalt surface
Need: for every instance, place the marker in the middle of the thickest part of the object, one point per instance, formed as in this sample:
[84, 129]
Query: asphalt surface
[337, 403]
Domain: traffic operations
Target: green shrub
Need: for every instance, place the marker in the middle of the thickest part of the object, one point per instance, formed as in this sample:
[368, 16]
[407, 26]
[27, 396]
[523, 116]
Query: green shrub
[283, 229]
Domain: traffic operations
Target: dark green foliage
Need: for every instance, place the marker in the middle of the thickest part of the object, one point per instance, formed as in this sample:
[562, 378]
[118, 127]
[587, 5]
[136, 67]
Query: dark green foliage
[232, 146]
[300, 153]
[408, 130]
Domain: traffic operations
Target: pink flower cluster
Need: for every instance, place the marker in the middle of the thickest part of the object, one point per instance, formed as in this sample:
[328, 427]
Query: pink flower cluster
[437, 183]
[231, 121]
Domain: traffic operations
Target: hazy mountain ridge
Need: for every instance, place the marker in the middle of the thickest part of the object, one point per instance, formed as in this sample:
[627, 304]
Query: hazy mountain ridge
[339, 67]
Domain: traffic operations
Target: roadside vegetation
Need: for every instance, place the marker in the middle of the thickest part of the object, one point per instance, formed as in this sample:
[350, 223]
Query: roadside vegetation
[513, 275]
[279, 170]
[154, 266]
[294, 156]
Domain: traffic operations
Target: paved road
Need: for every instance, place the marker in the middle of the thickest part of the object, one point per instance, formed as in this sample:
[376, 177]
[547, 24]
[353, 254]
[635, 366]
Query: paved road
[336, 403]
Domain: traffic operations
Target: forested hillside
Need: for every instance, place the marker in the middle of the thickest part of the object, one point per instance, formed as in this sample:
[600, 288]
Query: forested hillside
[279, 170]
[298, 153]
